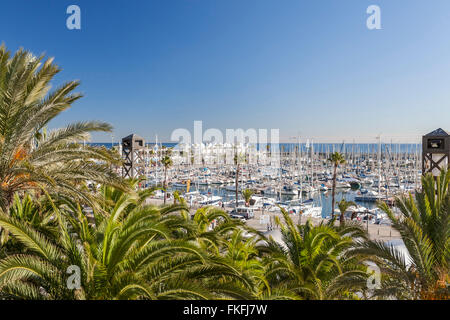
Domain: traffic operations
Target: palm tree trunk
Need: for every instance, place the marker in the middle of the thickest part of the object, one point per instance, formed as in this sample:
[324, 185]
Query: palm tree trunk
[333, 191]
[237, 184]
[165, 185]
[8, 198]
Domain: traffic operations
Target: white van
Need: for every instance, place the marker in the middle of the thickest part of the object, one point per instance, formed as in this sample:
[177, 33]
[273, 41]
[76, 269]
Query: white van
[246, 212]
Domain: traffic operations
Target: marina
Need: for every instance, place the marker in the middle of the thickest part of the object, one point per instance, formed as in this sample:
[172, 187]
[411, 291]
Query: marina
[302, 184]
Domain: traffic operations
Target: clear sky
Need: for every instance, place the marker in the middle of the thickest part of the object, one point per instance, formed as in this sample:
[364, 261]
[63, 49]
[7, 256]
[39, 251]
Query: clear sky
[310, 68]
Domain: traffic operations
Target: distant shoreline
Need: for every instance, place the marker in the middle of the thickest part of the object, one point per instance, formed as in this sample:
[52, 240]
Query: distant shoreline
[345, 147]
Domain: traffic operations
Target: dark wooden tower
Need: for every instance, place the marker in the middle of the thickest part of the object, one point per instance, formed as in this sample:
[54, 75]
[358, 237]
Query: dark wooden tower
[133, 149]
[435, 151]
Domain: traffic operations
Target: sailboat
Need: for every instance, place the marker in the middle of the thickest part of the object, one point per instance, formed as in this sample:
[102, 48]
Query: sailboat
[313, 212]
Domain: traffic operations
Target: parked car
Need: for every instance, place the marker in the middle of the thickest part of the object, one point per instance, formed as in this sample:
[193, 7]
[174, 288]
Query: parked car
[238, 217]
[245, 212]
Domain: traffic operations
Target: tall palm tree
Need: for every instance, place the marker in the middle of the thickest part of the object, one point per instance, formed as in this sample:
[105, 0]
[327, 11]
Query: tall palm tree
[167, 162]
[424, 226]
[247, 194]
[238, 160]
[30, 158]
[343, 205]
[236, 178]
[336, 159]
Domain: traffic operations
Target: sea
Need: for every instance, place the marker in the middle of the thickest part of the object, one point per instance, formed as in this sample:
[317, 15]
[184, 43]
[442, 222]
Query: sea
[371, 148]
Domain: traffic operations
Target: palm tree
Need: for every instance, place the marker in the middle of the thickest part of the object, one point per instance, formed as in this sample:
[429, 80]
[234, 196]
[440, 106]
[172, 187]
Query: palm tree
[343, 205]
[38, 269]
[247, 194]
[336, 159]
[241, 251]
[117, 201]
[173, 255]
[34, 212]
[31, 158]
[238, 159]
[141, 252]
[424, 226]
[109, 258]
[167, 163]
[314, 262]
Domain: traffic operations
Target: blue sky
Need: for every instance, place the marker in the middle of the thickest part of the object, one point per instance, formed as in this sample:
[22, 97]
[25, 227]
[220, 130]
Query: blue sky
[309, 68]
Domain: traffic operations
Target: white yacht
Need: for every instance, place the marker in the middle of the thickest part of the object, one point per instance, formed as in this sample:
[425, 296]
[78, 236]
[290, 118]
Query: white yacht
[270, 191]
[210, 200]
[289, 190]
[313, 212]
